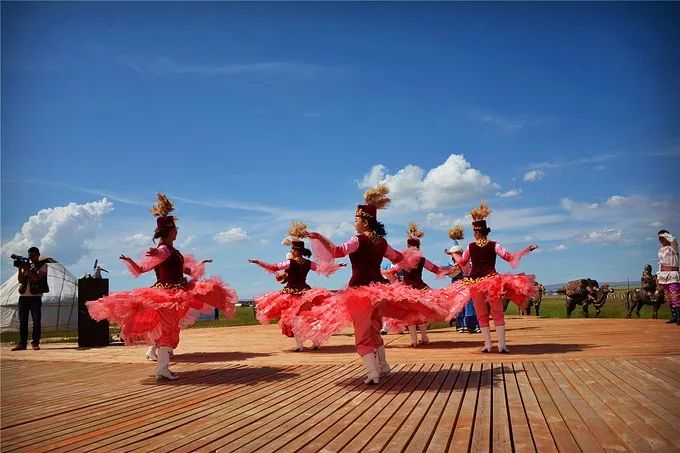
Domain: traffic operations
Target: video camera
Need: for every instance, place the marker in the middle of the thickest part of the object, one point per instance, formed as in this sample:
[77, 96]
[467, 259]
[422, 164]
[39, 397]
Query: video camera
[20, 261]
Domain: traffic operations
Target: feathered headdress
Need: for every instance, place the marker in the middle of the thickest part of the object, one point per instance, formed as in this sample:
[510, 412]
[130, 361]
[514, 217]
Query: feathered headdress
[298, 229]
[375, 198]
[414, 234]
[478, 218]
[160, 209]
[456, 232]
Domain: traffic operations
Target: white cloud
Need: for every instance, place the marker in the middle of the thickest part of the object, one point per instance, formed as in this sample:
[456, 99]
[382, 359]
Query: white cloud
[603, 235]
[618, 201]
[64, 232]
[509, 193]
[655, 224]
[446, 185]
[572, 162]
[234, 234]
[533, 175]
[507, 124]
[336, 230]
[187, 241]
[560, 248]
[168, 66]
[137, 240]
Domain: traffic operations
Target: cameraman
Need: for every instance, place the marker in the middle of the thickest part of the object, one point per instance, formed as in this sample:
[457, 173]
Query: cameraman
[32, 277]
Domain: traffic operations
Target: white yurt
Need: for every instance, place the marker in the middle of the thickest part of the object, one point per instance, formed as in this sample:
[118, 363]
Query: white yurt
[59, 306]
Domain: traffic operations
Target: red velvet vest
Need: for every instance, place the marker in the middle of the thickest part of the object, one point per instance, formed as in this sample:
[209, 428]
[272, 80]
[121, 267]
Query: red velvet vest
[366, 261]
[297, 275]
[172, 269]
[483, 259]
[414, 277]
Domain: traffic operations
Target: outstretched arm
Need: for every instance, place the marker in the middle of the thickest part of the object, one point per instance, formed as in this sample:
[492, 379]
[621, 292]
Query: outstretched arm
[152, 258]
[337, 251]
[271, 268]
[513, 258]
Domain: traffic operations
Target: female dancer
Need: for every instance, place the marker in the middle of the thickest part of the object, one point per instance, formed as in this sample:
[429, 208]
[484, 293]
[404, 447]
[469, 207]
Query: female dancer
[368, 296]
[484, 285]
[297, 296]
[155, 315]
[414, 278]
[668, 276]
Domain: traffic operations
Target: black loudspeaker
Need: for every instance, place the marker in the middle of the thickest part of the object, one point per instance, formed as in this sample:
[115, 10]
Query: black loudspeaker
[90, 332]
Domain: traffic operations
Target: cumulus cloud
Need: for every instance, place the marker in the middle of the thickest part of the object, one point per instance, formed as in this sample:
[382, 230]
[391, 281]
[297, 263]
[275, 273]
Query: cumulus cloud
[64, 232]
[137, 240]
[446, 185]
[509, 193]
[602, 235]
[234, 234]
[533, 175]
[560, 248]
[336, 230]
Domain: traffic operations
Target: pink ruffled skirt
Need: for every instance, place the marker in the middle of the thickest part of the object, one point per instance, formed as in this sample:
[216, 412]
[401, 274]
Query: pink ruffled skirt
[139, 312]
[286, 306]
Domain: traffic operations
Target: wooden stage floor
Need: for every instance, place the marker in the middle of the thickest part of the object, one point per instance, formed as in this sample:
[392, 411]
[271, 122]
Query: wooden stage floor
[568, 385]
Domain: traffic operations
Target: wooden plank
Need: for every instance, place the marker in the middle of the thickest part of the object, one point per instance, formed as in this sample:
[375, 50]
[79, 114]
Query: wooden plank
[419, 423]
[425, 432]
[500, 423]
[365, 433]
[623, 420]
[540, 433]
[221, 419]
[591, 417]
[618, 391]
[664, 372]
[376, 398]
[397, 432]
[516, 418]
[464, 423]
[308, 425]
[561, 434]
[481, 429]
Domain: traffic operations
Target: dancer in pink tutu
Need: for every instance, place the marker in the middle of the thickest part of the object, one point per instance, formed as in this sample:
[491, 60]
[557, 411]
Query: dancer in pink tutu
[484, 285]
[414, 278]
[154, 315]
[369, 297]
[297, 296]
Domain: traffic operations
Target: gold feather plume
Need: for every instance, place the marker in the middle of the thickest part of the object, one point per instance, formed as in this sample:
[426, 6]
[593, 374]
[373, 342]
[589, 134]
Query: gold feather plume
[163, 205]
[298, 229]
[413, 232]
[456, 232]
[377, 196]
[480, 213]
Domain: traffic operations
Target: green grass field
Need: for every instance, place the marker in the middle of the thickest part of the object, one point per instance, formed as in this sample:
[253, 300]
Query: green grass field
[551, 307]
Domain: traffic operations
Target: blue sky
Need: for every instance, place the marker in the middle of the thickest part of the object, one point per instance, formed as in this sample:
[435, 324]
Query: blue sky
[564, 117]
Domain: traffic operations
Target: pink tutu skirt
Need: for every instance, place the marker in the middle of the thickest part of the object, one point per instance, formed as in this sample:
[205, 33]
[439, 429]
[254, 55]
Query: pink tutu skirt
[137, 311]
[397, 301]
[519, 288]
[286, 306]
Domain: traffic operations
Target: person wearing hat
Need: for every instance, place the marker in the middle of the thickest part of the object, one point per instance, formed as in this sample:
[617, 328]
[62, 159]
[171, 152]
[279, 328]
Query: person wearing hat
[414, 278]
[466, 320]
[369, 295]
[297, 296]
[154, 315]
[668, 276]
[484, 285]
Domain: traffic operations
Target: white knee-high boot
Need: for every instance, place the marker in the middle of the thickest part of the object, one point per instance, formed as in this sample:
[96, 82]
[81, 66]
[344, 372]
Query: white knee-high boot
[486, 334]
[371, 363]
[299, 347]
[424, 339]
[385, 368]
[151, 353]
[414, 335]
[162, 370]
[500, 330]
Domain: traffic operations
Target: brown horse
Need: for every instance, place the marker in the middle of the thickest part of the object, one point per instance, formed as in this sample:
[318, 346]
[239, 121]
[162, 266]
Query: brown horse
[585, 292]
[534, 301]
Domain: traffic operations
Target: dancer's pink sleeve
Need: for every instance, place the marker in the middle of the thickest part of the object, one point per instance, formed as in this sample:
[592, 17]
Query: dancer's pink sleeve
[149, 262]
[407, 260]
[273, 268]
[325, 251]
[325, 269]
[511, 258]
[193, 267]
[439, 272]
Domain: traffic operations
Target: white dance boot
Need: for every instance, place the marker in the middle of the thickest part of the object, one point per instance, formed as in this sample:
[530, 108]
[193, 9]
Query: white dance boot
[385, 368]
[486, 334]
[414, 335]
[371, 364]
[162, 370]
[500, 330]
[424, 339]
[299, 346]
[151, 353]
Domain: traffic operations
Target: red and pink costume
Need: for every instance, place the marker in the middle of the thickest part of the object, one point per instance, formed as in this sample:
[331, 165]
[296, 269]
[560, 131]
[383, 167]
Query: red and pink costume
[148, 315]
